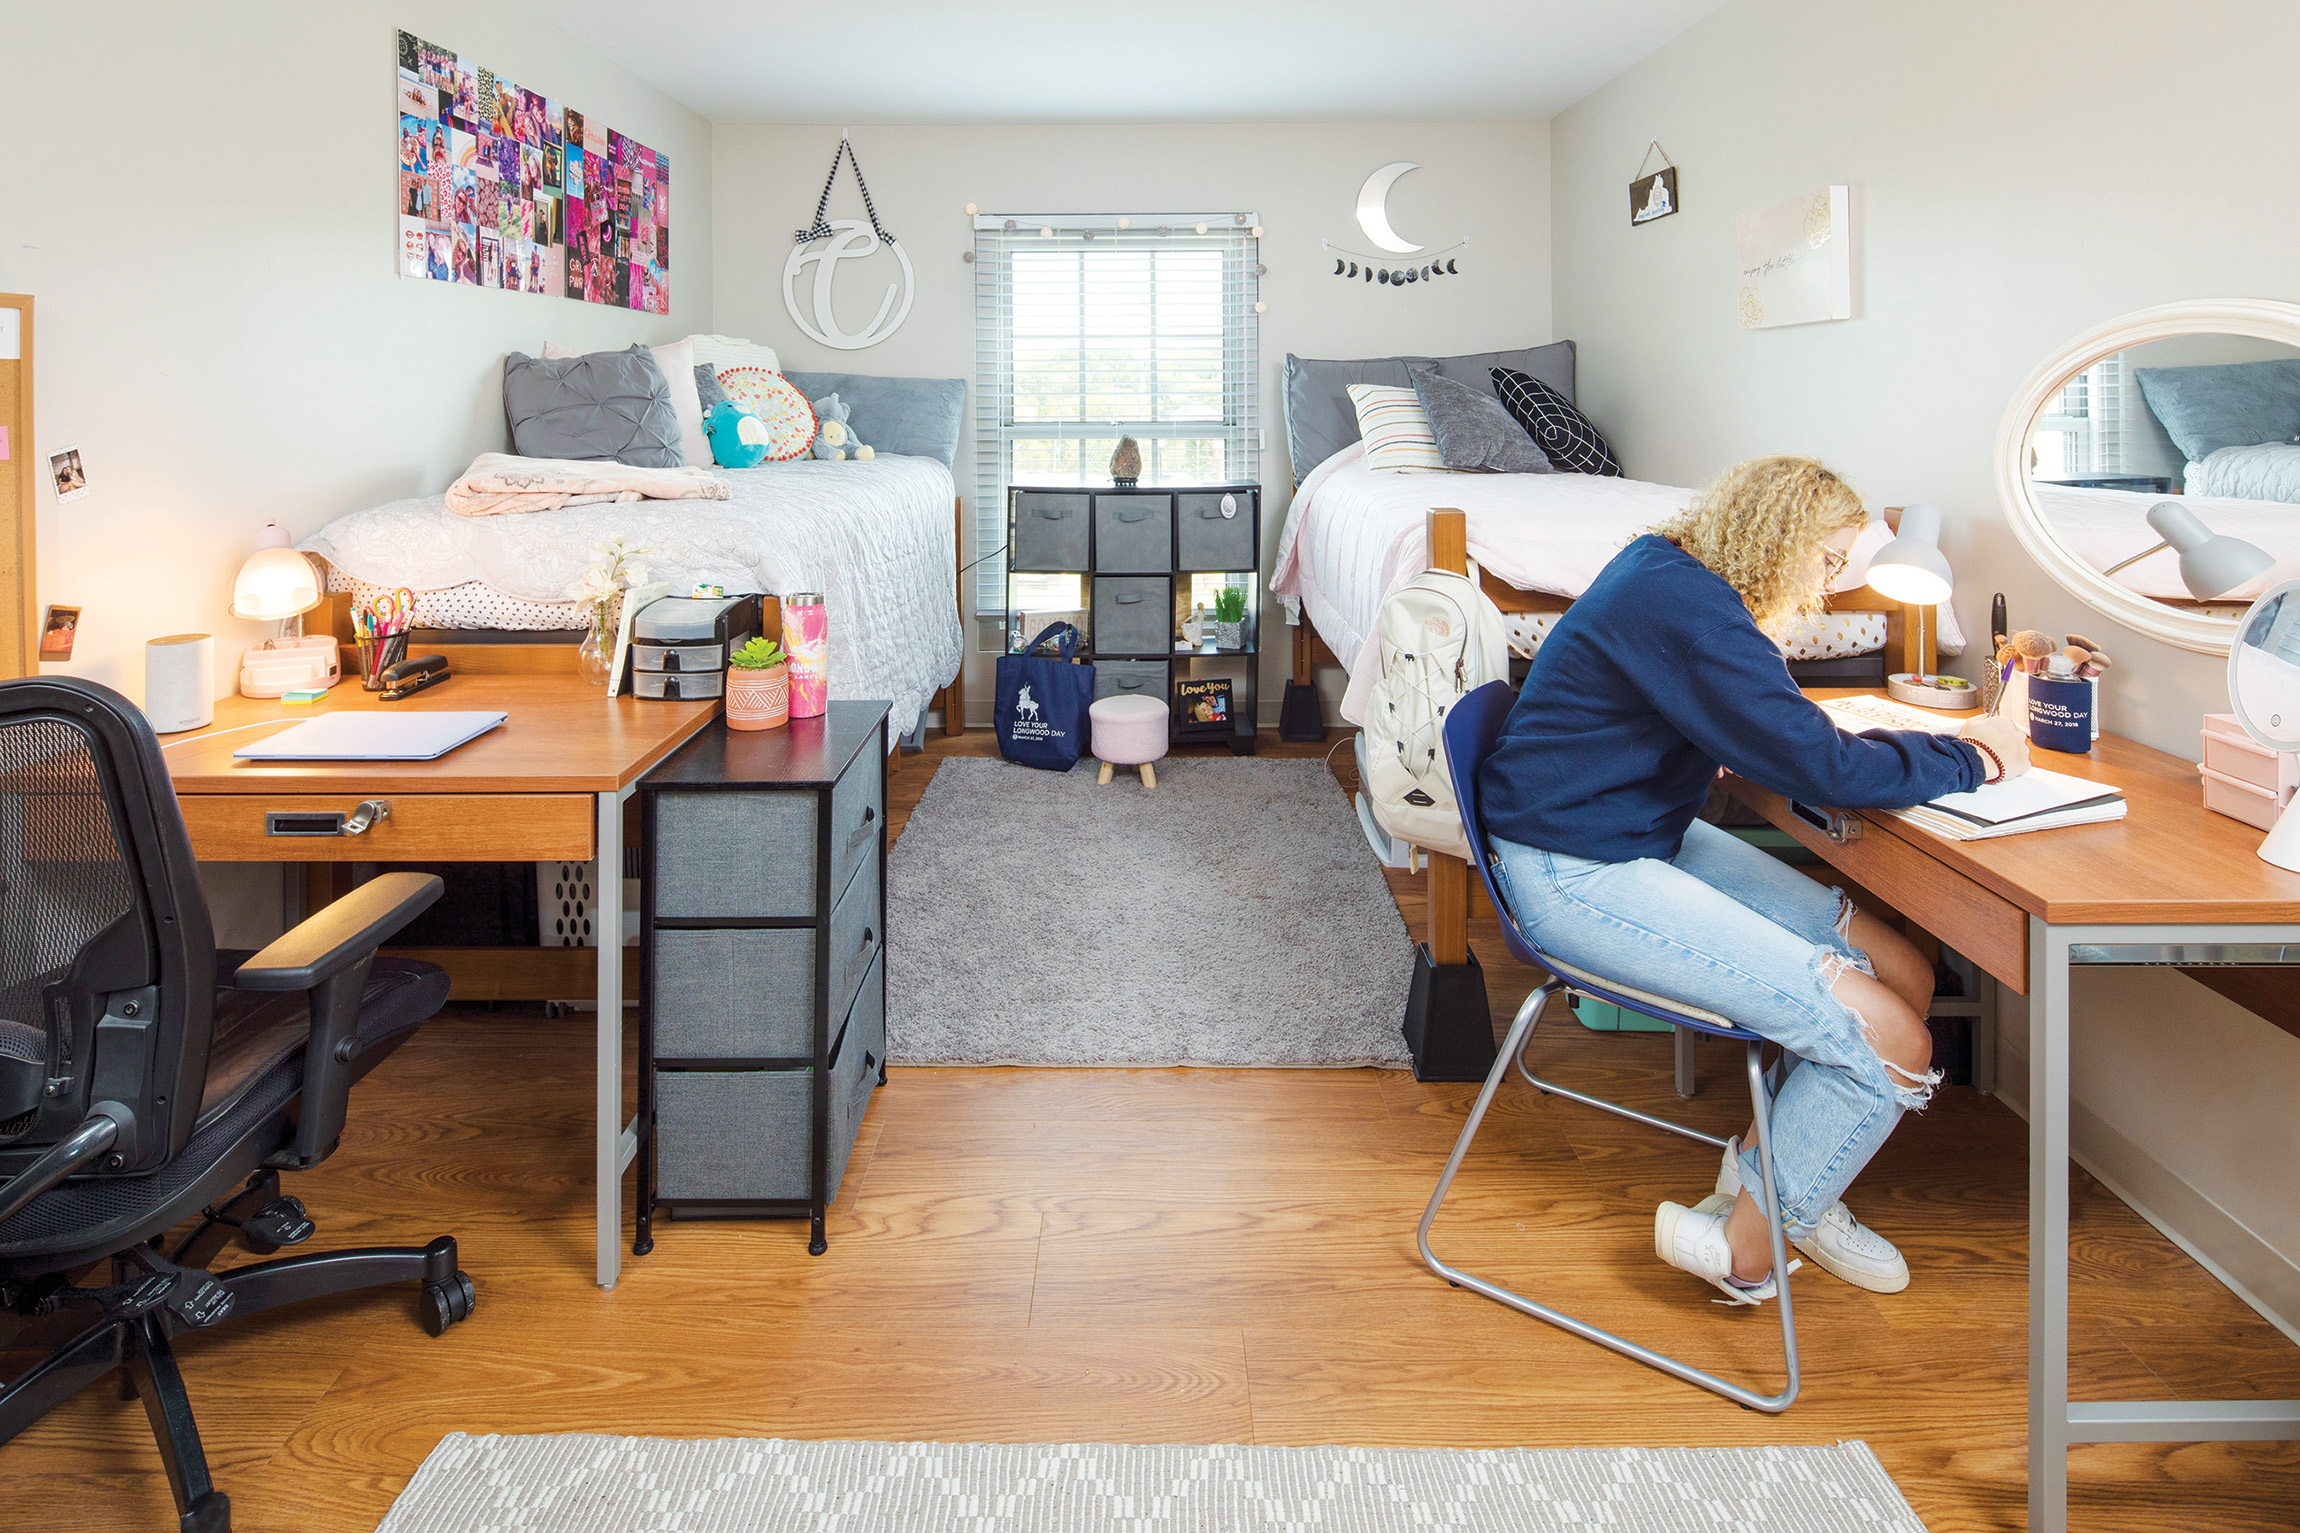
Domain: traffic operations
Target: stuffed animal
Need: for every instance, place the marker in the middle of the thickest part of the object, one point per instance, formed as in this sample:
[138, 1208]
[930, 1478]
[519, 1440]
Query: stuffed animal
[834, 438]
[739, 439]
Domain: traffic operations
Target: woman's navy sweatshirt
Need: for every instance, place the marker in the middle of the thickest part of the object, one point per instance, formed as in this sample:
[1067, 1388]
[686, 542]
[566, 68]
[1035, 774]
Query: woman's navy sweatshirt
[1652, 680]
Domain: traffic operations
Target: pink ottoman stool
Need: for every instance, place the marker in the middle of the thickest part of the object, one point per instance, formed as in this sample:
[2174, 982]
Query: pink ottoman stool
[1129, 731]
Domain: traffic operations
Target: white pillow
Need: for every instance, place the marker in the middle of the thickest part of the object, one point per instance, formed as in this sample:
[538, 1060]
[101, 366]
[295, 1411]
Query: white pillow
[732, 351]
[677, 360]
[1395, 426]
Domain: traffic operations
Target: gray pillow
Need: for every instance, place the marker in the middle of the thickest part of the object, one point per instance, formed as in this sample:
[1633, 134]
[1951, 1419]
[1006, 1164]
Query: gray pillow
[2236, 404]
[607, 406]
[707, 387]
[1321, 421]
[1473, 431]
[917, 417]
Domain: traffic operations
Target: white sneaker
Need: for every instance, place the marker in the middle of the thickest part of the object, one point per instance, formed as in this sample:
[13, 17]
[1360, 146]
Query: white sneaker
[1693, 1240]
[1842, 1244]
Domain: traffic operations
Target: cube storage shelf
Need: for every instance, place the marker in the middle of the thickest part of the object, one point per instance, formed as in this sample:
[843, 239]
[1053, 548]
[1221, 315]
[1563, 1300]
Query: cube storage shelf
[762, 936]
[1134, 551]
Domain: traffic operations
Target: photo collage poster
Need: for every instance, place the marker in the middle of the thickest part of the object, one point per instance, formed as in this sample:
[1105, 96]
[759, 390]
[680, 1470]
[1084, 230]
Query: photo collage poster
[500, 187]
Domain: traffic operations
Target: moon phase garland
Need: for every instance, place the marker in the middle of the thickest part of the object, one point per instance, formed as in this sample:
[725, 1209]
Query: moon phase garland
[1355, 265]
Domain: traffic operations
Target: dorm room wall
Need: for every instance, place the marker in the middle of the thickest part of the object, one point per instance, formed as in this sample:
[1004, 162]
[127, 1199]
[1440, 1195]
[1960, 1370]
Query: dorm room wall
[1489, 180]
[2019, 174]
[201, 199]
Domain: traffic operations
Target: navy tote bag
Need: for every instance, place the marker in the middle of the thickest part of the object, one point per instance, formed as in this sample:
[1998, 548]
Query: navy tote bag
[1042, 703]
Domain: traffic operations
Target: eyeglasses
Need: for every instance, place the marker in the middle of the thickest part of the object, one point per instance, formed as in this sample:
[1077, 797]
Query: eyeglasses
[1832, 564]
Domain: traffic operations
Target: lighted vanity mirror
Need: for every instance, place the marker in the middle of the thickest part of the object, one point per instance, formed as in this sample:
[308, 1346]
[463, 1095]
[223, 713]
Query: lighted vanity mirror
[2153, 466]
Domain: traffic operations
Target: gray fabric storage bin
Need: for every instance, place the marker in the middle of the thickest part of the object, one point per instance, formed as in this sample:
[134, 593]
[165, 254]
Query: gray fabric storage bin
[1133, 615]
[856, 816]
[740, 855]
[1049, 532]
[1133, 534]
[1205, 539]
[856, 933]
[1130, 678]
[734, 994]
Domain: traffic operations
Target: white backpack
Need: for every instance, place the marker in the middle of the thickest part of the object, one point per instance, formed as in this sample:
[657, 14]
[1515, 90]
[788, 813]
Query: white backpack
[1440, 638]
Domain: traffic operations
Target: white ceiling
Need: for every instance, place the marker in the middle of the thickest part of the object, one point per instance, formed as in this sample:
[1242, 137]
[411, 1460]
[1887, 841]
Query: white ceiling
[973, 61]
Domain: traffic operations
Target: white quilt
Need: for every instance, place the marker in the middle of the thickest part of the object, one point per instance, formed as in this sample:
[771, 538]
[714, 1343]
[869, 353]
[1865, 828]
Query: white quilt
[2269, 471]
[2104, 526]
[1354, 536]
[875, 538]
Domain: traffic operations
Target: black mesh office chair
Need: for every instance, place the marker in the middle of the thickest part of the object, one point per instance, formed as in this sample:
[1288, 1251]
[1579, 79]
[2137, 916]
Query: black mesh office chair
[148, 1082]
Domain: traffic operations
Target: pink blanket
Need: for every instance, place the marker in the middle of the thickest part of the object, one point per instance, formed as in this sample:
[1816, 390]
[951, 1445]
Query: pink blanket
[498, 483]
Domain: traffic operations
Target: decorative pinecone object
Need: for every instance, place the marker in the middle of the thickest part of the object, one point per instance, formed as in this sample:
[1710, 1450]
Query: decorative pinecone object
[1126, 464]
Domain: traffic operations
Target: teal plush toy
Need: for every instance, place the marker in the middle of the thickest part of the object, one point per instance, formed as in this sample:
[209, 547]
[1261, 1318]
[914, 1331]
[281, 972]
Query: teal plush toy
[738, 438]
[834, 438]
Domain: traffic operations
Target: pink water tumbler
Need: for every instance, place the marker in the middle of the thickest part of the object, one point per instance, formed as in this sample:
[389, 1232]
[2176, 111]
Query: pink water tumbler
[807, 640]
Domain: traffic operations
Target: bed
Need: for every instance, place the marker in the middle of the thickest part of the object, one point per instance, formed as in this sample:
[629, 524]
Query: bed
[879, 539]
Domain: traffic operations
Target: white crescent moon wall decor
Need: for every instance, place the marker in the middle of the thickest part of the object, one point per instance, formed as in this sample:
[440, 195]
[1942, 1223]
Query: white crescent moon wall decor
[1374, 212]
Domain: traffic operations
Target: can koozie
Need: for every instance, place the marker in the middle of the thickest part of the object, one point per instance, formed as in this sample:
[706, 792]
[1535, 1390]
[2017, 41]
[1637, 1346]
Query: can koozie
[2060, 714]
[807, 640]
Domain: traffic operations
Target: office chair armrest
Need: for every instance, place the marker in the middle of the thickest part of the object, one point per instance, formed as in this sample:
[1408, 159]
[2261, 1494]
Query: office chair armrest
[329, 955]
[346, 932]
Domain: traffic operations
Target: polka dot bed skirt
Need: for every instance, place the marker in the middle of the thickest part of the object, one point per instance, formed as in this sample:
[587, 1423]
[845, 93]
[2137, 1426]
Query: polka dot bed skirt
[1831, 636]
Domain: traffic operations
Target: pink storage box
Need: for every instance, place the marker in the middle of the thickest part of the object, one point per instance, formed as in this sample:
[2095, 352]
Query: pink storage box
[2242, 778]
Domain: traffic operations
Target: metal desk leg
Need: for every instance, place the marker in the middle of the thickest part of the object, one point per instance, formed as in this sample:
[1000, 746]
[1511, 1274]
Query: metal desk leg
[2048, 1434]
[615, 1143]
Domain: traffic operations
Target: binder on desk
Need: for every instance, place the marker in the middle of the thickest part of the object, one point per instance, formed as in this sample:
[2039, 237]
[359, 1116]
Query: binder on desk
[2035, 800]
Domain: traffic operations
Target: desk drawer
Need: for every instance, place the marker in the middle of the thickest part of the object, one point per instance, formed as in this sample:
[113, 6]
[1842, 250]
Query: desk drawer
[1984, 926]
[422, 827]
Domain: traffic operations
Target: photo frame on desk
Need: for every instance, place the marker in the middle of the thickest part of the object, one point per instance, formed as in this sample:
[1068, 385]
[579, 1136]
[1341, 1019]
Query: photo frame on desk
[1202, 705]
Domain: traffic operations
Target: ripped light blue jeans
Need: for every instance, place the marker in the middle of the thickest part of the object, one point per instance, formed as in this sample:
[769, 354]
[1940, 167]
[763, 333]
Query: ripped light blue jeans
[1732, 930]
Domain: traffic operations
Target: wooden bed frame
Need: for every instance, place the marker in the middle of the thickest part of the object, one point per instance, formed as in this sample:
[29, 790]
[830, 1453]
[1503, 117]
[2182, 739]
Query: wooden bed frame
[1448, 1014]
[509, 653]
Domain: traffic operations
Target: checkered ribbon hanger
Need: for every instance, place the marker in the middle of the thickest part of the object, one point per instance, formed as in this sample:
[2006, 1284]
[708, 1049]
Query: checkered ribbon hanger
[822, 229]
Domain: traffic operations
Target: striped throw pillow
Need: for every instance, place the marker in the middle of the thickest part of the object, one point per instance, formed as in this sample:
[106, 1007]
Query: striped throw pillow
[1396, 428]
[1560, 430]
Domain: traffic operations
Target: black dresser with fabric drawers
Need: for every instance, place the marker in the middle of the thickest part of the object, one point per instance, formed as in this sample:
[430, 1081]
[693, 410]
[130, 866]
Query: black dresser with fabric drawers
[762, 934]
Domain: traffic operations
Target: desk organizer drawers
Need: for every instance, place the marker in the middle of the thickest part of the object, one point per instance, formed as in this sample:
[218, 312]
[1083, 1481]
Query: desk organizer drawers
[762, 940]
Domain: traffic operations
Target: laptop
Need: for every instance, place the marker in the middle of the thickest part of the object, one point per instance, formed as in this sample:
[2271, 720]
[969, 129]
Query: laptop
[359, 735]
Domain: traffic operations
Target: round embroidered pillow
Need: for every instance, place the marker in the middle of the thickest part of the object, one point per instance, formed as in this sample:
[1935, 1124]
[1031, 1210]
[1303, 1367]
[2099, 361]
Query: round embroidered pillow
[789, 419]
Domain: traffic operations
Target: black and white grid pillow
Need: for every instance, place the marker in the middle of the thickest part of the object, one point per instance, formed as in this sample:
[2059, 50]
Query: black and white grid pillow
[1563, 432]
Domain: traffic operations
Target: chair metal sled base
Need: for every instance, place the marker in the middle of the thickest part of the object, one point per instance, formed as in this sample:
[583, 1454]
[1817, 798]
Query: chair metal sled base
[133, 1331]
[1513, 1049]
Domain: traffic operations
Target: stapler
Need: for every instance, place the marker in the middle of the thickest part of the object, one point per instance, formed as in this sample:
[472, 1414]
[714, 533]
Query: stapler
[412, 676]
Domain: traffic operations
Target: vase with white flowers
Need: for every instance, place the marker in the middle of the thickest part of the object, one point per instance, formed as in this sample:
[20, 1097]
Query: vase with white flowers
[617, 567]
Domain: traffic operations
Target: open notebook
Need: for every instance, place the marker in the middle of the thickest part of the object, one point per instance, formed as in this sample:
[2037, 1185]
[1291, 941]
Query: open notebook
[2035, 800]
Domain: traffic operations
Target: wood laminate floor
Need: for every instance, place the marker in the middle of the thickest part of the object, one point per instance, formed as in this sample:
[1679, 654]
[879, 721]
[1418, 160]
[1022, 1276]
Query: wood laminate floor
[1168, 1256]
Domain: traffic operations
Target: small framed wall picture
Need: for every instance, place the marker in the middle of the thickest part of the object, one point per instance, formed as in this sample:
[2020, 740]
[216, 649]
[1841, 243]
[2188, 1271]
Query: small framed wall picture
[1202, 705]
[1653, 196]
[70, 473]
[58, 631]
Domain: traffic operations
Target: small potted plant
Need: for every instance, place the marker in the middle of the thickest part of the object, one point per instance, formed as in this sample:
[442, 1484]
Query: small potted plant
[1230, 618]
[758, 686]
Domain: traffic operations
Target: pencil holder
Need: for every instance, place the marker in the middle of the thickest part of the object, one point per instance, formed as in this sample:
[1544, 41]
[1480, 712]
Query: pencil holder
[378, 655]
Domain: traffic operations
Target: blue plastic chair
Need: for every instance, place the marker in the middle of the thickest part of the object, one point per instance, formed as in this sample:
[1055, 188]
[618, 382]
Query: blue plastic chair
[1470, 734]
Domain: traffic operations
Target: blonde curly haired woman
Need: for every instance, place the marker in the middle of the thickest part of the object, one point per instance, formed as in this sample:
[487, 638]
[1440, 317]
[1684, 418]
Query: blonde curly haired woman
[1667, 668]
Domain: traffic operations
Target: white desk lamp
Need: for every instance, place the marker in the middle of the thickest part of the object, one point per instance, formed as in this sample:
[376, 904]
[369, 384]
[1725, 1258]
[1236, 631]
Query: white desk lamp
[278, 585]
[2210, 565]
[1912, 569]
[2264, 693]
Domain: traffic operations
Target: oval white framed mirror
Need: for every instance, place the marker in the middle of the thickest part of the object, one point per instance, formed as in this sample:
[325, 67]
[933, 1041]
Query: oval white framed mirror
[2150, 465]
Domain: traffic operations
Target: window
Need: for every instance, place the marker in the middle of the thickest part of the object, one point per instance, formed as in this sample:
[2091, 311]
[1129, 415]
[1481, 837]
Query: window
[2081, 432]
[1095, 332]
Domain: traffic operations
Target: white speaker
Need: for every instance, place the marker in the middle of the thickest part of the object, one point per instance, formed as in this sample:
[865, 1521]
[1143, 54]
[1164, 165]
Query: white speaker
[179, 682]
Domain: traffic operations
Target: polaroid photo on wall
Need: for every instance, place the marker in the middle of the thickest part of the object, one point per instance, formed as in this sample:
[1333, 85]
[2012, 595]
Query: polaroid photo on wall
[70, 474]
[57, 633]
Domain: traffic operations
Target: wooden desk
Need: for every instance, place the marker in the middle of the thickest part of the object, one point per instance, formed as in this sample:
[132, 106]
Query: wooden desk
[548, 784]
[2171, 883]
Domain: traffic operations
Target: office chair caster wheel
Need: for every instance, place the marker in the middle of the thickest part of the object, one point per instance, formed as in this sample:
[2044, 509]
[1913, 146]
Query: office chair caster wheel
[445, 1303]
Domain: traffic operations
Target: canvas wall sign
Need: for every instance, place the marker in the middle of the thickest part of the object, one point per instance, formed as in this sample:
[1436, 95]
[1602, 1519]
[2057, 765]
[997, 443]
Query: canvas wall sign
[501, 187]
[1797, 260]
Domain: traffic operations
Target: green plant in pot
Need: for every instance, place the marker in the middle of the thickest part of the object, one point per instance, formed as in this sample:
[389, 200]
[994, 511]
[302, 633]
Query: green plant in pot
[758, 686]
[1230, 618]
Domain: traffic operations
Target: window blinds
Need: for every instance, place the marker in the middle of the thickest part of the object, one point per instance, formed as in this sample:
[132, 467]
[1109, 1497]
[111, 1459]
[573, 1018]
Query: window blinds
[1086, 332]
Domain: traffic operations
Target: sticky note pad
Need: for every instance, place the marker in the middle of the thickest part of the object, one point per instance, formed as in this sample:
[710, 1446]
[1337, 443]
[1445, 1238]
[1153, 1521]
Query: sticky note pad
[305, 695]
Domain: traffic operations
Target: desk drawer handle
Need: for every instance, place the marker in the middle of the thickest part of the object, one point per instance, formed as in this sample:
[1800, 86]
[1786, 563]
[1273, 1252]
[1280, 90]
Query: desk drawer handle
[855, 836]
[358, 823]
[1128, 601]
[1839, 825]
[1131, 516]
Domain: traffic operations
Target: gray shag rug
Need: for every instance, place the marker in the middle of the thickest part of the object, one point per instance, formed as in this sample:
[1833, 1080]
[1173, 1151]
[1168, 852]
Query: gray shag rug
[1232, 915]
[584, 1484]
